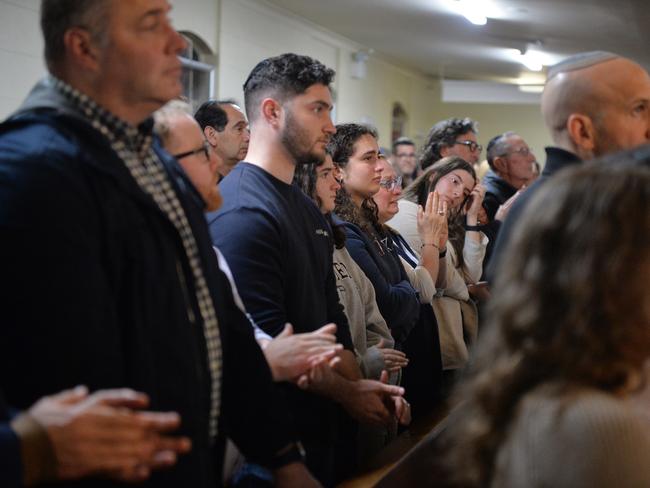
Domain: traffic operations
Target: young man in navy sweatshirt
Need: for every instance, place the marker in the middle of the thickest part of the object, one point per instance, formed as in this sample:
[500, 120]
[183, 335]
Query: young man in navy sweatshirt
[279, 248]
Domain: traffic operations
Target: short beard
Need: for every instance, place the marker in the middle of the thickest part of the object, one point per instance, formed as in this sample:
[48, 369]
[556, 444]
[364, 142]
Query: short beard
[296, 141]
[603, 143]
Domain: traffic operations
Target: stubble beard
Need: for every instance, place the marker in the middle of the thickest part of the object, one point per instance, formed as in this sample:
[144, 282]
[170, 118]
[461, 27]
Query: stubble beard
[297, 143]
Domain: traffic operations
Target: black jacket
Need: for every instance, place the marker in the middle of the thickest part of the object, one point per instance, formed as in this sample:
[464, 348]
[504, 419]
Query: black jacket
[556, 159]
[497, 192]
[97, 287]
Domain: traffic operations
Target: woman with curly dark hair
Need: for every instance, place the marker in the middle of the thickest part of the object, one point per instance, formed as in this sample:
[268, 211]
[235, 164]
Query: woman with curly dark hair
[552, 396]
[404, 288]
[355, 150]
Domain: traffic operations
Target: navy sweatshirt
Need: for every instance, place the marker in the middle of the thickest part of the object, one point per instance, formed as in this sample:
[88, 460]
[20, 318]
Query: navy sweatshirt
[279, 248]
[397, 299]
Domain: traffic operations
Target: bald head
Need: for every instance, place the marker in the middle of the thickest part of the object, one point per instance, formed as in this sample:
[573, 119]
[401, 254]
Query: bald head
[597, 103]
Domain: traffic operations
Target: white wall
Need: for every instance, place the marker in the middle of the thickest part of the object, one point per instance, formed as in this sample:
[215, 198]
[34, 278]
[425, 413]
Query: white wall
[242, 32]
[21, 52]
[21, 44]
[200, 17]
[250, 30]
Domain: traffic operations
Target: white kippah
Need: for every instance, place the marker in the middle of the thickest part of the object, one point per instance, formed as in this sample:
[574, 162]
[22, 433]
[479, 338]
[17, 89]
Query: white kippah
[580, 61]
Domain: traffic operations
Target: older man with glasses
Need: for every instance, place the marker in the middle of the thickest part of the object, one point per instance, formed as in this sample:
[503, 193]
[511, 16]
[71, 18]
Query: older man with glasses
[182, 137]
[511, 168]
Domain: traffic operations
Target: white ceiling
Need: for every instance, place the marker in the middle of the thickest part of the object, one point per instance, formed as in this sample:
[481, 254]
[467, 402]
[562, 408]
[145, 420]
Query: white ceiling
[431, 37]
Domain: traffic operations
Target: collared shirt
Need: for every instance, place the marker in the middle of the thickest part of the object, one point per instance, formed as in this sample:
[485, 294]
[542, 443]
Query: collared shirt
[134, 147]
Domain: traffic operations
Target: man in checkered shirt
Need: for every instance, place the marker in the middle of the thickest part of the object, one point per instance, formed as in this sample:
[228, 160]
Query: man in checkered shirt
[109, 274]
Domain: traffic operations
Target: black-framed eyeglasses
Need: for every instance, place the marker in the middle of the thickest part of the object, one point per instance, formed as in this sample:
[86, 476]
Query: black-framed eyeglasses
[391, 184]
[205, 149]
[473, 146]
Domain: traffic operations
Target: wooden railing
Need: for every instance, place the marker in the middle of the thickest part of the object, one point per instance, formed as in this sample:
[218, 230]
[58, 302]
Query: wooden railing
[406, 460]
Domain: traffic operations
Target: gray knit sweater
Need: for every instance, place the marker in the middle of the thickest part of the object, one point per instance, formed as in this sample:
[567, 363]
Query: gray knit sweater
[580, 438]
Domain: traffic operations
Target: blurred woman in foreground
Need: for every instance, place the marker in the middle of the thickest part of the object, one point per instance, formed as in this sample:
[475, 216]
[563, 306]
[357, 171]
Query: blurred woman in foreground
[551, 398]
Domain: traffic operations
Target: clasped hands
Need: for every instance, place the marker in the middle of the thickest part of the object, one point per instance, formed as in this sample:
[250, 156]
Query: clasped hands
[106, 433]
[368, 401]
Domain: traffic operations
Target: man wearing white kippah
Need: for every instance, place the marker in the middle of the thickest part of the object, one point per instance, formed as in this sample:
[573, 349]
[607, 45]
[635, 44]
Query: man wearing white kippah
[594, 103]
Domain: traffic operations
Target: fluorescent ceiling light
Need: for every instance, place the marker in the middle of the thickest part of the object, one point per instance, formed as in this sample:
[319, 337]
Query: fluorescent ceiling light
[532, 61]
[476, 18]
[531, 88]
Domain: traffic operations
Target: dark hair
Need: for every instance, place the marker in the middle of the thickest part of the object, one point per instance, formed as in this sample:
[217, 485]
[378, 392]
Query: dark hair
[211, 113]
[57, 16]
[305, 178]
[443, 134]
[341, 148]
[341, 145]
[402, 141]
[418, 192]
[550, 321]
[283, 77]
[497, 147]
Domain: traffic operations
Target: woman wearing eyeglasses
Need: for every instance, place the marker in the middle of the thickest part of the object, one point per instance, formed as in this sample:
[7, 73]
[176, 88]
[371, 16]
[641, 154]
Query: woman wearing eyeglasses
[454, 180]
[423, 378]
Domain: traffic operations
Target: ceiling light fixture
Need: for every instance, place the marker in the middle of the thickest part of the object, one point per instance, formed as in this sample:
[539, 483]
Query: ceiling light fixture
[529, 56]
[473, 10]
[531, 88]
[532, 60]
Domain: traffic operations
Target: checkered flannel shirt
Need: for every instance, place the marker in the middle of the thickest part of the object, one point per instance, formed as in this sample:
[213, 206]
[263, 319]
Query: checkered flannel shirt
[133, 145]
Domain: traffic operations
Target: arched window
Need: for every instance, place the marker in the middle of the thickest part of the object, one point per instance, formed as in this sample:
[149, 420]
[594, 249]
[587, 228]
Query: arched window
[399, 120]
[198, 70]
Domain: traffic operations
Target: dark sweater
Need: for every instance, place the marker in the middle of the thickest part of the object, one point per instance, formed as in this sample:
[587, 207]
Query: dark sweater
[556, 159]
[497, 192]
[279, 248]
[397, 299]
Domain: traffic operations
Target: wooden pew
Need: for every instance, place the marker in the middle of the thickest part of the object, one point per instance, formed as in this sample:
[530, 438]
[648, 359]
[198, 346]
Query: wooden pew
[405, 461]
